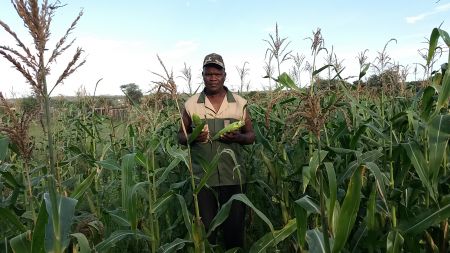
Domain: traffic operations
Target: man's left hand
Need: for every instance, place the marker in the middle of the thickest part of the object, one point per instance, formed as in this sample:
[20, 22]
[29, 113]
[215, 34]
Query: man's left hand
[235, 136]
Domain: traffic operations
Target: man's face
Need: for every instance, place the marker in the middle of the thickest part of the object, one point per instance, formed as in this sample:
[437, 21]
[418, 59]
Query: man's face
[213, 77]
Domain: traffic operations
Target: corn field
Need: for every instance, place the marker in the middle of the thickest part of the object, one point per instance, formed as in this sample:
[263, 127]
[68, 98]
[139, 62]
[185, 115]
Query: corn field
[337, 167]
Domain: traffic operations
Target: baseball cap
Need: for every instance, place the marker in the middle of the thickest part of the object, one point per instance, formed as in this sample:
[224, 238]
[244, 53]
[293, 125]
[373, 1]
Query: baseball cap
[213, 59]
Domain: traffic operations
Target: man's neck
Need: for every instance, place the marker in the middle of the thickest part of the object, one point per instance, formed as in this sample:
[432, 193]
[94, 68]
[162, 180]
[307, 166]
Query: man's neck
[220, 93]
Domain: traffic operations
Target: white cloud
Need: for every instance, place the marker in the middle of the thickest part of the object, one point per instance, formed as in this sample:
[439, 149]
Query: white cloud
[436, 10]
[414, 19]
[444, 7]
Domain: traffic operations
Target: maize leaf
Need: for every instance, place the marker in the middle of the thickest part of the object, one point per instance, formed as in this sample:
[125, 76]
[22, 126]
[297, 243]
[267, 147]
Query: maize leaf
[117, 236]
[348, 211]
[82, 242]
[21, 243]
[38, 236]
[271, 239]
[394, 242]
[199, 124]
[174, 246]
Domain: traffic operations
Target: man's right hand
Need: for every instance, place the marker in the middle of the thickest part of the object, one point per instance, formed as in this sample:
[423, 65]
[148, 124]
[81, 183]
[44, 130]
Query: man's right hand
[203, 137]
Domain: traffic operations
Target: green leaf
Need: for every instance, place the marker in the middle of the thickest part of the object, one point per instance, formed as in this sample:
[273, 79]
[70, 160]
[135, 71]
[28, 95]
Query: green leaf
[127, 171]
[444, 93]
[166, 172]
[162, 201]
[422, 221]
[132, 204]
[83, 243]
[349, 211]
[174, 246]
[394, 242]
[308, 204]
[117, 236]
[260, 138]
[380, 180]
[38, 239]
[222, 214]
[273, 172]
[317, 71]
[427, 101]
[4, 142]
[420, 164]
[21, 243]
[309, 173]
[286, 81]
[196, 131]
[178, 153]
[371, 210]
[303, 208]
[434, 38]
[233, 250]
[332, 185]
[210, 167]
[83, 187]
[66, 208]
[361, 159]
[110, 164]
[185, 213]
[119, 218]
[7, 214]
[10, 180]
[357, 136]
[301, 217]
[272, 239]
[364, 69]
[438, 136]
[315, 241]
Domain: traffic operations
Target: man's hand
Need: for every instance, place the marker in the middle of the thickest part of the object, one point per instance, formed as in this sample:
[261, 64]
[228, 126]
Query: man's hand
[203, 136]
[230, 137]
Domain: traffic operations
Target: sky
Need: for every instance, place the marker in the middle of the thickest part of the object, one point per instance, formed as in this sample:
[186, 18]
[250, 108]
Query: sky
[122, 39]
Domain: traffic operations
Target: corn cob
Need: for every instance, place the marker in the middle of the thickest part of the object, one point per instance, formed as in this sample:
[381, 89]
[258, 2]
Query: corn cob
[199, 126]
[196, 120]
[230, 128]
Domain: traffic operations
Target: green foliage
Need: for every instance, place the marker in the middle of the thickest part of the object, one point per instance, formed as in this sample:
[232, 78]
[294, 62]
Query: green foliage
[372, 178]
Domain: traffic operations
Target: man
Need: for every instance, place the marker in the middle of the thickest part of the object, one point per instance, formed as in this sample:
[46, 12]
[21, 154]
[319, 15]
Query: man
[219, 107]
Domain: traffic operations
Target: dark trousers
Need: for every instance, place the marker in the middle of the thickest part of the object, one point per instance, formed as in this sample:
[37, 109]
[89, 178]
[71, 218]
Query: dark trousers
[233, 228]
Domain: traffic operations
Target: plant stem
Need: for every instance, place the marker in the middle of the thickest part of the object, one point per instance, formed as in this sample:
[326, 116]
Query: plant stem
[322, 203]
[51, 177]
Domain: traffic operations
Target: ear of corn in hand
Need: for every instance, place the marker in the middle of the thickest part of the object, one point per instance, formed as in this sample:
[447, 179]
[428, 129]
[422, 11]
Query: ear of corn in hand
[230, 128]
[199, 126]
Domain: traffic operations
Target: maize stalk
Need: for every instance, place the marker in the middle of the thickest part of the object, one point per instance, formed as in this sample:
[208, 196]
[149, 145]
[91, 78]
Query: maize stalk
[199, 126]
[230, 128]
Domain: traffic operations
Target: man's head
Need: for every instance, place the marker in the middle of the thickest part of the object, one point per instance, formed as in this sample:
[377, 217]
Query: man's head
[213, 73]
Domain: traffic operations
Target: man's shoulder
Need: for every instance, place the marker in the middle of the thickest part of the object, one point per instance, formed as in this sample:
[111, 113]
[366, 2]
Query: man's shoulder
[193, 98]
[239, 98]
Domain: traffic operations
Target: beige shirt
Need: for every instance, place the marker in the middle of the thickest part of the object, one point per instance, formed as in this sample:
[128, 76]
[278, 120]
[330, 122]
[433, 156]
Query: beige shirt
[229, 169]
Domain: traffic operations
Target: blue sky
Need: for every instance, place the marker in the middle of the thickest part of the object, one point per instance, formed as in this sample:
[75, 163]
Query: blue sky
[122, 38]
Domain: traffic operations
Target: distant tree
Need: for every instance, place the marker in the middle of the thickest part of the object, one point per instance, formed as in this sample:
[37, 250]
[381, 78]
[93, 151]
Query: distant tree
[133, 93]
[29, 104]
[374, 81]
